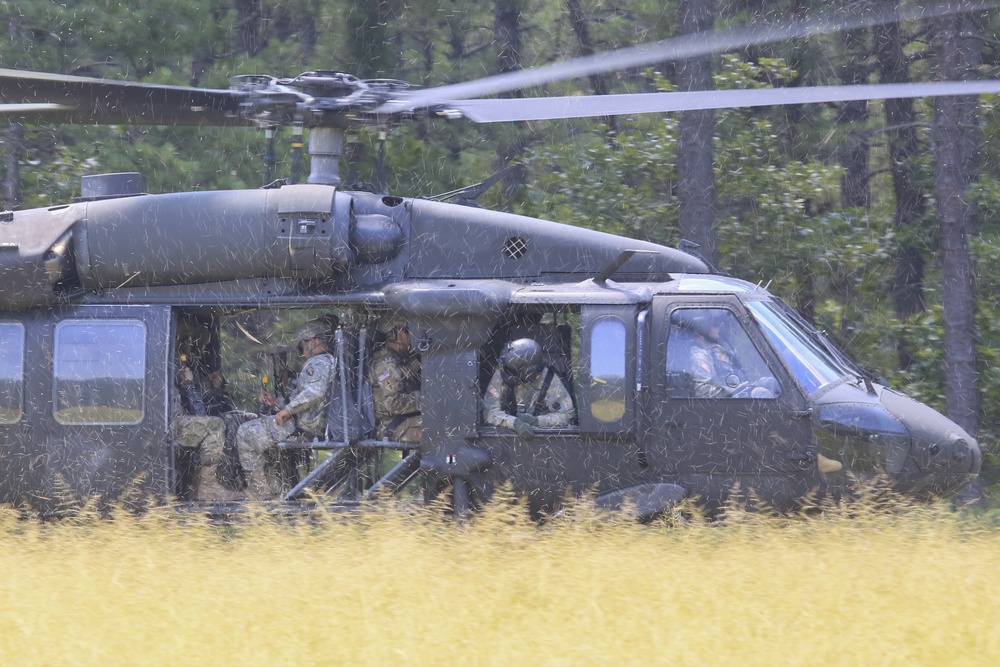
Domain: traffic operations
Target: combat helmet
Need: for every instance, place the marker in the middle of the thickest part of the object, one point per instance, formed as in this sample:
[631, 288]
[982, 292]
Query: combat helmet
[393, 327]
[311, 329]
[521, 359]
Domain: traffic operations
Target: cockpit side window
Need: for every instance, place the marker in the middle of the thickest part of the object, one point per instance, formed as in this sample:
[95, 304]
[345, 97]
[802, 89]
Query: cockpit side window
[11, 372]
[812, 366]
[99, 371]
[710, 355]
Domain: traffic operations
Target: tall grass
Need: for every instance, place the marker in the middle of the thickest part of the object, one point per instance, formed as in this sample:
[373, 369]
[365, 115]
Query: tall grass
[858, 587]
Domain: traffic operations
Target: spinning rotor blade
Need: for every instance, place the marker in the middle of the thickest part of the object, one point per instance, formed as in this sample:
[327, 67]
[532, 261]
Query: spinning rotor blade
[32, 97]
[675, 48]
[37, 97]
[31, 113]
[589, 106]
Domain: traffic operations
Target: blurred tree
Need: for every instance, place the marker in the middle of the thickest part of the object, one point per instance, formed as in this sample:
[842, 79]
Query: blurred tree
[696, 176]
[955, 148]
[908, 187]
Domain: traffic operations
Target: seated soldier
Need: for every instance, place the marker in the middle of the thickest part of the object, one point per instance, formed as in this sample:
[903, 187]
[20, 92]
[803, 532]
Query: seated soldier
[304, 414]
[394, 375]
[521, 396]
[200, 432]
[716, 369]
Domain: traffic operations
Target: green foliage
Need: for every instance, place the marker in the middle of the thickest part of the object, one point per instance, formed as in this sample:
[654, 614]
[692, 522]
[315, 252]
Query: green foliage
[624, 188]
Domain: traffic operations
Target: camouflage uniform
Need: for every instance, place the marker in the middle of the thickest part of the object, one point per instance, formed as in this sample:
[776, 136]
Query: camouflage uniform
[207, 435]
[256, 438]
[556, 408]
[204, 434]
[395, 380]
[715, 369]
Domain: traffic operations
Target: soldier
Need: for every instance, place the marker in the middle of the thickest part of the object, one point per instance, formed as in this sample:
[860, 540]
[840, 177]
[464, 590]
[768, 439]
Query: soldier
[200, 432]
[521, 396]
[394, 374]
[304, 413]
[715, 367]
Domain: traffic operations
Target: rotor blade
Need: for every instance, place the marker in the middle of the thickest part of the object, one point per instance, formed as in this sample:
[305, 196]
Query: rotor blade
[29, 113]
[45, 98]
[675, 48]
[589, 106]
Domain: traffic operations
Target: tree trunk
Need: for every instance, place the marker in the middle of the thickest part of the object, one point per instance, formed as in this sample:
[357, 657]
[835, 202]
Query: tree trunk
[696, 176]
[12, 173]
[507, 36]
[854, 187]
[911, 198]
[598, 82]
[955, 136]
[250, 20]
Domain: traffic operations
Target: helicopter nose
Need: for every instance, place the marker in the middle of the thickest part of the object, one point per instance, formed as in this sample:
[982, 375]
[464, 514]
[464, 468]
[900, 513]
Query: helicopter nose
[955, 452]
[943, 458]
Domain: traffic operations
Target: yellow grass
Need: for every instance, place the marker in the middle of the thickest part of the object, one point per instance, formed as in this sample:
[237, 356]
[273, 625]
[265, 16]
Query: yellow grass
[912, 588]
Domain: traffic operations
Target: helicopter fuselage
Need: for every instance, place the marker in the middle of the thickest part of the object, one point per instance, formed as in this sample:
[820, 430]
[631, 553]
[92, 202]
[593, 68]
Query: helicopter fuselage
[98, 293]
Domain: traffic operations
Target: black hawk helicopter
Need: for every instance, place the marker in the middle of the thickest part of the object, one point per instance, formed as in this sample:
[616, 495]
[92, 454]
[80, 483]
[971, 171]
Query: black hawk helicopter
[103, 298]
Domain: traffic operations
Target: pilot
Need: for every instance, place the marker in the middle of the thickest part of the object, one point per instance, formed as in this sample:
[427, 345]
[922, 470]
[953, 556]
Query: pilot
[525, 393]
[715, 367]
[304, 413]
[394, 374]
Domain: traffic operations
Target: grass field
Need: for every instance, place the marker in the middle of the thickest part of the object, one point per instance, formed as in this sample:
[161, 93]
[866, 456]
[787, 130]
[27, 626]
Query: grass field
[910, 587]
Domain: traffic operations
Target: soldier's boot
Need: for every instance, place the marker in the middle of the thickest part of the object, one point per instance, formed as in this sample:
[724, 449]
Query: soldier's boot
[276, 481]
[259, 487]
[212, 454]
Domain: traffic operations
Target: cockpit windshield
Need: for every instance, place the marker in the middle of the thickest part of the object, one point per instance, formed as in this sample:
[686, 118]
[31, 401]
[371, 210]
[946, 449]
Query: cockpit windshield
[813, 366]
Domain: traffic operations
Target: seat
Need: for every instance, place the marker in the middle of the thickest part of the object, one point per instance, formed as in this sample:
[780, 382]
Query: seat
[349, 425]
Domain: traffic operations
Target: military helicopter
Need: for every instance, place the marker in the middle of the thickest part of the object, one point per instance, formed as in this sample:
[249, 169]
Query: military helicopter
[104, 297]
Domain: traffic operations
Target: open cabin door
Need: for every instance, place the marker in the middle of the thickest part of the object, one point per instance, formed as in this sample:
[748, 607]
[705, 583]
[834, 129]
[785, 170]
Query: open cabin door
[93, 414]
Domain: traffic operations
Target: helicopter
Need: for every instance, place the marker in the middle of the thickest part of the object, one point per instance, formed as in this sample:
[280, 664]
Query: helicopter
[104, 297]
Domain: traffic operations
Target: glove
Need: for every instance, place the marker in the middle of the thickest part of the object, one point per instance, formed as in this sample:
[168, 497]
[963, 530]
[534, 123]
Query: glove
[523, 429]
[525, 417]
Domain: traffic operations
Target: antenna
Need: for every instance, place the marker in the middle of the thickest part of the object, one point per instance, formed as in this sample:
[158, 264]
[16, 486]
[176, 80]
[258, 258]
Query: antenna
[617, 263]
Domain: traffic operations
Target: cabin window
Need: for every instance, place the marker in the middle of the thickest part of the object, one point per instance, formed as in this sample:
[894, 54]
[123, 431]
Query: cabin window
[607, 370]
[710, 355]
[11, 372]
[99, 371]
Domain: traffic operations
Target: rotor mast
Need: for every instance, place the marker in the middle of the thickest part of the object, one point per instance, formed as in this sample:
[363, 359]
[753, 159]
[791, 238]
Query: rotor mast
[326, 144]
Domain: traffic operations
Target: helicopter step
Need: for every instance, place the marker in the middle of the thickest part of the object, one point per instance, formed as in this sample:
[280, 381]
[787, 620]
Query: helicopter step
[354, 471]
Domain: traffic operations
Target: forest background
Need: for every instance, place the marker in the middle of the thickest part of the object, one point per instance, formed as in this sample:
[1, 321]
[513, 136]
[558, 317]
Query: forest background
[878, 221]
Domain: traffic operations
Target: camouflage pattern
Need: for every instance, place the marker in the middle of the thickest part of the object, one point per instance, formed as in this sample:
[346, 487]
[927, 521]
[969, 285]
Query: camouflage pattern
[715, 369]
[256, 438]
[207, 435]
[556, 408]
[310, 402]
[395, 381]
[255, 441]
